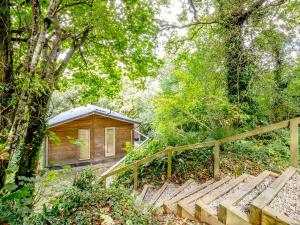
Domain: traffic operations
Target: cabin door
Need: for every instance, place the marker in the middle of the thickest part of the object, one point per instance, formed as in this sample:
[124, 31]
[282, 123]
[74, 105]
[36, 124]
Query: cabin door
[110, 141]
[84, 144]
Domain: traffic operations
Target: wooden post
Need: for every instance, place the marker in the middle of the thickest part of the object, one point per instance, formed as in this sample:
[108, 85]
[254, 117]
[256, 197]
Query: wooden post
[103, 182]
[217, 160]
[169, 172]
[294, 142]
[135, 177]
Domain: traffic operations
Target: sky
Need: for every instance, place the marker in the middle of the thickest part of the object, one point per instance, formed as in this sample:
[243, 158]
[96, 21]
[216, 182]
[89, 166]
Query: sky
[169, 14]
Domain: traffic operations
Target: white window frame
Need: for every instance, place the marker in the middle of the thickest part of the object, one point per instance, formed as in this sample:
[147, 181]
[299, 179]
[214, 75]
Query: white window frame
[89, 143]
[114, 142]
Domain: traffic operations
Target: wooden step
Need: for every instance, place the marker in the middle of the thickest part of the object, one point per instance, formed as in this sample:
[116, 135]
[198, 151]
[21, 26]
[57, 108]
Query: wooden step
[187, 189]
[158, 193]
[186, 207]
[142, 195]
[206, 209]
[262, 209]
[188, 184]
[163, 194]
[147, 194]
[234, 210]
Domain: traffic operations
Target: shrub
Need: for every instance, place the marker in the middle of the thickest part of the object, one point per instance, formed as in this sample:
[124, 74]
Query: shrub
[269, 151]
[16, 202]
[188, 164]
[85, 180]
[87, 202]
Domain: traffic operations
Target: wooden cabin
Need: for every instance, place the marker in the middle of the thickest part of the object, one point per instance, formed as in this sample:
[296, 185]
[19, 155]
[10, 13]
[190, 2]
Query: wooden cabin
[87, 135]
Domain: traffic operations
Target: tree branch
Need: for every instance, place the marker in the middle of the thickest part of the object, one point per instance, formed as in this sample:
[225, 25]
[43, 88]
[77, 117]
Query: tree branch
[40, 43]
[19, 39]
[76, 3]
[174, 26]
[193, 9]
[277, 3]
[77, 43]
[19, 31]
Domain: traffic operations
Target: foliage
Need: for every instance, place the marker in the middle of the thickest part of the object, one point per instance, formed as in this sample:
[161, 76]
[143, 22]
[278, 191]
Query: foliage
[192, 106]
[84, 181]
[235, 68]
[16, 203]
[190, 164]
[230, 73]
[88, 203]
[85, 45]
[268, 152]
[121, 45]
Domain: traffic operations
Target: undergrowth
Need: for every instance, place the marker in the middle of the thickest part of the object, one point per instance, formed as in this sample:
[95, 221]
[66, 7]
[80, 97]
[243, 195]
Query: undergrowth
[266, 152]
[86, 202]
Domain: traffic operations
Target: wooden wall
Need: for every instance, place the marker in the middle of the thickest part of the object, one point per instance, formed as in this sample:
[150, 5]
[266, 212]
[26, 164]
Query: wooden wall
[65, 152]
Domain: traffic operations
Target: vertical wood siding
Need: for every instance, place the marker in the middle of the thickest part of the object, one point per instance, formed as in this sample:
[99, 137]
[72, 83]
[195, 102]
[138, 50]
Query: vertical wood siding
[66, 152]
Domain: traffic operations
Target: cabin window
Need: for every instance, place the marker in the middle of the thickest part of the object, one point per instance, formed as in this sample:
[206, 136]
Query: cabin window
[110, 141]
[84, 144]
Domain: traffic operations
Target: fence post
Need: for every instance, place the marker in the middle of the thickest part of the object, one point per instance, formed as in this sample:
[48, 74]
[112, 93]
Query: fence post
[217, 160]
[104, 182]
[135, 177]
[294, 142]
[169, 172]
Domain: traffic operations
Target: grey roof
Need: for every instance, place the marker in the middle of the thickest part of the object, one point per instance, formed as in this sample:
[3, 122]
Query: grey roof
[83, 111]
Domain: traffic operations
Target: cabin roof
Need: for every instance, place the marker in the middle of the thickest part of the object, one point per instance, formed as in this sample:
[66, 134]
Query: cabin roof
[87, 110]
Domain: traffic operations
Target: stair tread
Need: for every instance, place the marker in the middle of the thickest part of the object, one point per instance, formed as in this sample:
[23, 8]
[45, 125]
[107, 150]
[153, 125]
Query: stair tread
[184, 187]
[244, 204]
[171, 187]
[149, 194]
[142, 195]
[287, 200]
[265, 197]
[191, 200]
[230, 203]
[214, 205]
[190, 189]
[158, 193]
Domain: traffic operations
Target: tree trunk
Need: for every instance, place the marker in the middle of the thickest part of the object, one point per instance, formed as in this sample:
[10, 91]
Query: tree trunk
[234, 50]
[239, 68]
[6, 80]
[35, 135]
[3, 166]
[239, 65]
[280, 85]
[16, 138]
[28, 128]
[5, 51]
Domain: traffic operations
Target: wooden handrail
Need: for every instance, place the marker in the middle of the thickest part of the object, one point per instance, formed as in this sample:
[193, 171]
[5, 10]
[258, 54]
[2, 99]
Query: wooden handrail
[257, 131]
[292, 123]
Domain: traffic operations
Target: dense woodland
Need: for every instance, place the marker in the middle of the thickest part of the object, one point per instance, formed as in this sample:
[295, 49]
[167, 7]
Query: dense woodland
[189, 70]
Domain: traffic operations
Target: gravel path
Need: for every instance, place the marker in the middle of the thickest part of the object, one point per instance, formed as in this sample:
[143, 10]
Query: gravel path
[287, 201]
[214, 205]
[244, 204]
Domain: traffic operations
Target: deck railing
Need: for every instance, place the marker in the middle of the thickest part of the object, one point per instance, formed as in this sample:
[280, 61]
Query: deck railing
[292, 124]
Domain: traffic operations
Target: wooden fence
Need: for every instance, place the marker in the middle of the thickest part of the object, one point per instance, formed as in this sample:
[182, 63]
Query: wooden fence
[292, 124]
